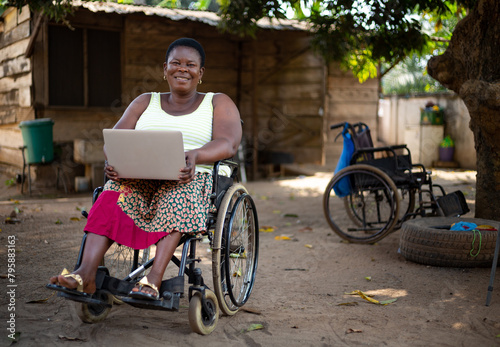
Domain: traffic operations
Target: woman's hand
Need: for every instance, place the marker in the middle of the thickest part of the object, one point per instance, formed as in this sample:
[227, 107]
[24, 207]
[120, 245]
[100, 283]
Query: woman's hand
[187, 173]
[110, 171]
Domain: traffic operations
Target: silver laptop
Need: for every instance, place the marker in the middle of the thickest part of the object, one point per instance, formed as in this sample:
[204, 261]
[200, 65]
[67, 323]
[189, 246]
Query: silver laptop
[145, 154]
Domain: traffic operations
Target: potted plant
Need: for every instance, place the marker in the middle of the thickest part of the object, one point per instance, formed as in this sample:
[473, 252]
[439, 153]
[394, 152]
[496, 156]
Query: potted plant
[432, 114]
[446, 149]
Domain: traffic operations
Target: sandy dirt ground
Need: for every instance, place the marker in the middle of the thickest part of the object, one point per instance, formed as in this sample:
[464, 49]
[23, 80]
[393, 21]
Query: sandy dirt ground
[299, 298]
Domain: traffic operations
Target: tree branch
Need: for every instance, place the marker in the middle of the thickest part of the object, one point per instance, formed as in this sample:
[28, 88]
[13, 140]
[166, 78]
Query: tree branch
[439, 39]
[391, 67]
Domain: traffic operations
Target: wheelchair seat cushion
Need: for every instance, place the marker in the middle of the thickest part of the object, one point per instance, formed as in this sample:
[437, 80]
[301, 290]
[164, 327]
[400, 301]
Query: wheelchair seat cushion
[138, 213]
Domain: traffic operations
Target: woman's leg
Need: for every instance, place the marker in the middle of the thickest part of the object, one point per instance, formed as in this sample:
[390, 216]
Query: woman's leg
[165, 249]
[95, 248]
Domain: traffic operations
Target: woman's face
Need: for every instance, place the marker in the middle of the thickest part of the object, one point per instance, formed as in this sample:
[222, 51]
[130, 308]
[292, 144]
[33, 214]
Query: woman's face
[183, 68]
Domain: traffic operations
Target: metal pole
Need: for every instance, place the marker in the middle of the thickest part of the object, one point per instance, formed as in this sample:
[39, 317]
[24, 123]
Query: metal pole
[493, 269]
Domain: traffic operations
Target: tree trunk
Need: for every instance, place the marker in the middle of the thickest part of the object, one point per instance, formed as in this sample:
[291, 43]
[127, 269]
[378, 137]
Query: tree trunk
[471, 67]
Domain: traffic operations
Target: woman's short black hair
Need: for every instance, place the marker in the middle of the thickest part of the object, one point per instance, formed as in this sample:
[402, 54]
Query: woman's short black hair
[187, 42]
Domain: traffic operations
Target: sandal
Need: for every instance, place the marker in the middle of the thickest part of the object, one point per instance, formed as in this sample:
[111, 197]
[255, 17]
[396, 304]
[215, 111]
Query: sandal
[76, 277]
[141, 295]
[75, 291]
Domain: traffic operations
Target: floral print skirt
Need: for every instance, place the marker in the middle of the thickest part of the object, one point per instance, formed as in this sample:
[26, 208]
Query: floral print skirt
[138, 213]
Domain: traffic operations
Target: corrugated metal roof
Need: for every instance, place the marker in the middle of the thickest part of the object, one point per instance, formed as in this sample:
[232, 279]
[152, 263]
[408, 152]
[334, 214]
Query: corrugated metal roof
[206, 17]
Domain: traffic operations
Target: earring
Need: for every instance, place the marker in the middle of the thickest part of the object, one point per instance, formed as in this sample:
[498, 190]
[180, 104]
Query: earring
[164, 77]
[200, 82]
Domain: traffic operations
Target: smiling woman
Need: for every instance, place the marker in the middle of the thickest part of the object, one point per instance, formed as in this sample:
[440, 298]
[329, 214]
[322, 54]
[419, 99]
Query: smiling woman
[139, 213]
[184, 66]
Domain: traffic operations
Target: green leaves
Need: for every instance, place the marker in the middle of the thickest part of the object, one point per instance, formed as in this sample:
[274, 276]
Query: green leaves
[240, 17]
[10, 182]
[54, 9]
[360, 35]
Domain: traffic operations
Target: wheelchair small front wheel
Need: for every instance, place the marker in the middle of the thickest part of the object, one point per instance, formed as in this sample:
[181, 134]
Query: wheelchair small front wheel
[203, 320]
[94, 313]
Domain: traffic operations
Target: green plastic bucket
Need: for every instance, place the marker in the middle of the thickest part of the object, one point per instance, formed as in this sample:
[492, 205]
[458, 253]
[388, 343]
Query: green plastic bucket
[37, 137]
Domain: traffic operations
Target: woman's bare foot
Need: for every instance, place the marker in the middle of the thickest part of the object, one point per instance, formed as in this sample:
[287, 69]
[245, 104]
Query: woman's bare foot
[145, 286]
[70, 281]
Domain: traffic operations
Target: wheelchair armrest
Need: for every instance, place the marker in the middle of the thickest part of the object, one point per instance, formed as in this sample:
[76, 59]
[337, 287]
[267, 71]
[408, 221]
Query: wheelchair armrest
[215, 172]
[398, 163]
[419, 166]
[399, 147]
[232, 164]
[96, 194]
[222, 183]
[360, 152]
[391, 149]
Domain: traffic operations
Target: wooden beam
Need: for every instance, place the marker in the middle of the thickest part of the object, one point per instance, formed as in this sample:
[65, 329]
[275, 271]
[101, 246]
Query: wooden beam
[326, 114]
[85, 68]
[34, 34]
[284, 63]
[255, 113]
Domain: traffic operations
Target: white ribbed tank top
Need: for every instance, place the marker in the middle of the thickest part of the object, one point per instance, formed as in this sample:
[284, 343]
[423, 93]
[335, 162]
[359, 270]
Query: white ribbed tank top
[196, 127]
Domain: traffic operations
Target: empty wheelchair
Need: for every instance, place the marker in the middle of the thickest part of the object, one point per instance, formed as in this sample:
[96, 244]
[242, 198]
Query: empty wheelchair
[232, 232]
[374, 190]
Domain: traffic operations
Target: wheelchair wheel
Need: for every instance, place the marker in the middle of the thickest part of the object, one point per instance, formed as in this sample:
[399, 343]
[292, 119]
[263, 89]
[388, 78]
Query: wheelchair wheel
[203, 320]
[361, 204]
[121, 260]
[93, 313]
[406, 204]
[235, 249]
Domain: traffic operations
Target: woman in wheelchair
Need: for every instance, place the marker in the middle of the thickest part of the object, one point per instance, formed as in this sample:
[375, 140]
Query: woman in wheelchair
[141, 213]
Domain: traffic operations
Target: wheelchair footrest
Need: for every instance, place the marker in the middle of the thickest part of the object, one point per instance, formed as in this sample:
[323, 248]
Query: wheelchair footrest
[173, 285]
[82, 299]
[453, 204]
[116, 286]
[166, 304]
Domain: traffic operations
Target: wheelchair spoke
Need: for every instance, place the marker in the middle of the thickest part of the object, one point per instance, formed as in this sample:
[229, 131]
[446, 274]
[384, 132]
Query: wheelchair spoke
[119, 260]
[240, 257]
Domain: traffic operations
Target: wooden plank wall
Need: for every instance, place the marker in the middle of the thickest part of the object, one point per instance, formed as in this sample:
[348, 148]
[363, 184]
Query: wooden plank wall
[15, 83]
[72, 123]
[297, 96]
[290, 92]
[146, 40]
[348, 101]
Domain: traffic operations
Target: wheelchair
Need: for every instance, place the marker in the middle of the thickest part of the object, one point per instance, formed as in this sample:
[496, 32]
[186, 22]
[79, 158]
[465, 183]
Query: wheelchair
[233, 234]
[375, 189]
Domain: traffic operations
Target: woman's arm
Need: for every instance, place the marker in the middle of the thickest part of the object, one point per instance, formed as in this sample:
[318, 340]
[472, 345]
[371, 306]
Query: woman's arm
[133, 112]
[128, 121]
[226, 137]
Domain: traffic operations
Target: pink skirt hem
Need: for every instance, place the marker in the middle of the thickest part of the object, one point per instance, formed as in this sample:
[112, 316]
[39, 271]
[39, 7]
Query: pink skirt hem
[106, 218]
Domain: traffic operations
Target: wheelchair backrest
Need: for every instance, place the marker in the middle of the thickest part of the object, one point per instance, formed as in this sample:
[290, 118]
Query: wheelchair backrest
[361, 136]
[358, 148]
[362, 139]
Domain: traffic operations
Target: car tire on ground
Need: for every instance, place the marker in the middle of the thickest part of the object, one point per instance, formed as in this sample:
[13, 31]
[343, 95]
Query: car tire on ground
[429, 241]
